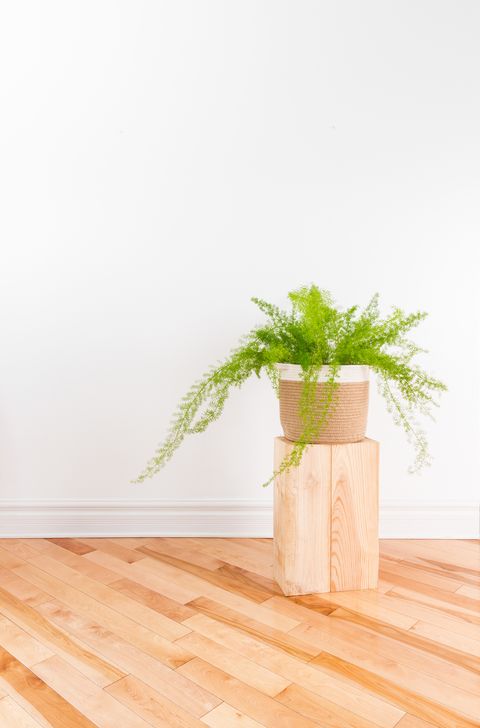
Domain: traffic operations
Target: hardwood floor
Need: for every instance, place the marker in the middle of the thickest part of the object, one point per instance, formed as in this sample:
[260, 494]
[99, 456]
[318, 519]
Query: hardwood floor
[138, 632]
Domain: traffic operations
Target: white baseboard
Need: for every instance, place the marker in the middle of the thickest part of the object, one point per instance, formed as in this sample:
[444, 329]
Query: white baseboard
[399, 519]
[240, 518]
[135, 518]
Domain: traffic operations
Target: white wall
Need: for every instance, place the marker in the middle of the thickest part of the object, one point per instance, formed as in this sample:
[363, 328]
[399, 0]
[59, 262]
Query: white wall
[161, 162]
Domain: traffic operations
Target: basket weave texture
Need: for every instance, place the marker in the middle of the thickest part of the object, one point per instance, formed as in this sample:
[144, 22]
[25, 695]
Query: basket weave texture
[347, 418]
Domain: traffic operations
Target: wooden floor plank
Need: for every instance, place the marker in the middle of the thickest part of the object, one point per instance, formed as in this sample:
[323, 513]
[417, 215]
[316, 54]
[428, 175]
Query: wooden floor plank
[446, 551]
[440, 562]
[426, 559]
[223, 579]
[22, 589]
[453, 604]
[131, 660]
[376, 636]
[314, 608]
[396, 571]
[463, 552]
[406, 698]
[256, 705]
[84, 566]
[470, 591]
[185, 549]
[321, 710]
[313, 678]
[356, 601]
[405, 676]
[383, 639]
[234, 664]
[449, 665]
[110, 547]
[472, 546]
[151, 705]
[228, 599]
[356, 700]
[13, 716]
[96, 704]
[238, 554]
[56, 640]
[125, 627]
[186, 632]
[71, 544]
[48, 547]
[257, 545]
[227, 717]
[411, 607]
[250, 577]
[152, 599]
[410, 721]
[20, 644]
[286, 642]
[38, 696]
[8, 560]
[451, 639]
[118, 601]
[17, 547]
[164, 585]
[130, 542]
[467, 625]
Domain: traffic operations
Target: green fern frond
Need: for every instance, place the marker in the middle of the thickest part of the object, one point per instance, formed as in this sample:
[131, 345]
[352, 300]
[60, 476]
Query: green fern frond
[315, 333]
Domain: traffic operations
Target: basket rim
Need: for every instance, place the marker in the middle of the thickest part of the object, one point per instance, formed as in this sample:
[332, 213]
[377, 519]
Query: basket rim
[347, 373]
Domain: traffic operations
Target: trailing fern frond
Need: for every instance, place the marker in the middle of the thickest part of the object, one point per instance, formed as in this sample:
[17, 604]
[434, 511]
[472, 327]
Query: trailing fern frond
[315, 333]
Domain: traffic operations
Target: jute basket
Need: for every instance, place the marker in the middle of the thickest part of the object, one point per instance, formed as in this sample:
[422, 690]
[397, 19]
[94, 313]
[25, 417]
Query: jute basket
[347, 419]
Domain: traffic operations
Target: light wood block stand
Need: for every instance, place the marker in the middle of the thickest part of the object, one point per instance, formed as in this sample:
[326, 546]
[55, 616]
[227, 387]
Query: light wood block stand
[326, 518]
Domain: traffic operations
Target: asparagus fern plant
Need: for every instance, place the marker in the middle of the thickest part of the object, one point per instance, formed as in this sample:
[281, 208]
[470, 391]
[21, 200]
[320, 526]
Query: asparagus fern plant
[315, 333]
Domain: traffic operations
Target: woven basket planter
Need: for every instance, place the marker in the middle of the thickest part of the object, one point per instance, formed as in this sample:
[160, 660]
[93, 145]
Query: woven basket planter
[347, 419]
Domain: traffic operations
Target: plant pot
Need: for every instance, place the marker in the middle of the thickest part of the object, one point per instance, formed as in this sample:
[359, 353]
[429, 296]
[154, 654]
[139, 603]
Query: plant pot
[347, 418]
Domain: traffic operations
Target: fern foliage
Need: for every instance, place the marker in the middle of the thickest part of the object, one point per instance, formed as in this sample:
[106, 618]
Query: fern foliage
[315, 333]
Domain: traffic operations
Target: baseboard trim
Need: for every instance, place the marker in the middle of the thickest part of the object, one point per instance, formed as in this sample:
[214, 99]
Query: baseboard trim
[226, 518]
[399, 519]
[135, 518]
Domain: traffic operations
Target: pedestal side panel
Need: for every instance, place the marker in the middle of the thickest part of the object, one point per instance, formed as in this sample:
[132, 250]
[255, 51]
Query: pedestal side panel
[302, 504]
[354, 535]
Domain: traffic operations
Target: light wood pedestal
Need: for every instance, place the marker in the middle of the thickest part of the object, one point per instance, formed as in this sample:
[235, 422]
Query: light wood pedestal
[326, 518]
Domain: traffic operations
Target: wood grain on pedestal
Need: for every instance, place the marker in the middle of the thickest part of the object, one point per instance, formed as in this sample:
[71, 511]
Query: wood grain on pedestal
[302, 520]
[326, 518]
[354, 527]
